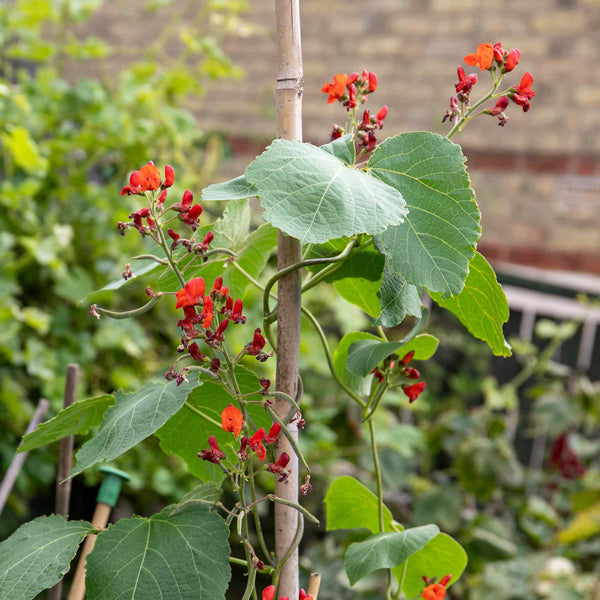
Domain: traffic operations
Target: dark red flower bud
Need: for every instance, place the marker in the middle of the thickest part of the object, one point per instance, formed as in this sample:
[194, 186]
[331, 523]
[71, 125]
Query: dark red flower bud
[498, 52]
[187, 199]
[215, 454]
[195, 352]
[265, 384]
[380, 116]
[351, 78]
[512, 60]
[236, 313]
[205, 244]
[162, 197]
[411, 373]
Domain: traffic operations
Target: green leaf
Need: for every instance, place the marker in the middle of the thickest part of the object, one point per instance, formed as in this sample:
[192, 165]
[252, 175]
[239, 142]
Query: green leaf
[358, 280]
[313, 196]
[234, 189]
[234, 225]
[24, 150]
[342, 148]
[585, 525]
[180, 555]
[365, 355]
[132, 418]
[481, 306]
[355, 382]
[206, 494]
[351, 505]
[433, 248]
[138, 269]
[398, 299]
[385, 550]
[37, 555]
[441, 556]
[77, 418]
[187, 432]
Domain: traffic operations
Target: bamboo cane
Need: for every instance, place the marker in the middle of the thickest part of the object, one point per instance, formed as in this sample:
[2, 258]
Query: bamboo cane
[289, 126]
[18, 460]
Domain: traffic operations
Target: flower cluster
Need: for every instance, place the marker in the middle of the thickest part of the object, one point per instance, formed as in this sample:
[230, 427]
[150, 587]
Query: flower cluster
[269, 594]
[499, 62]
[395, 366]
[433, 590]
[147, 182]
[232, 421]
[352, 90]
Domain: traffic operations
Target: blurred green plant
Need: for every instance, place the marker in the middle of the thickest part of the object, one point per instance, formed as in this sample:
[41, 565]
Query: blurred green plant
[65, 146]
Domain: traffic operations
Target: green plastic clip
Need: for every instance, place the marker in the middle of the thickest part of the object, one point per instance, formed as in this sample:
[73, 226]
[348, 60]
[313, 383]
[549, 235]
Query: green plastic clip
[110, 488]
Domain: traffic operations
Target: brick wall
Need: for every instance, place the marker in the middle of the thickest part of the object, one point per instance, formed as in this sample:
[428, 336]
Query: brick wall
[537, 178]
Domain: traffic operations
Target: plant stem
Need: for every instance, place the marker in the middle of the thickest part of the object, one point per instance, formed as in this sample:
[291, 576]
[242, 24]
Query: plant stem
[378, 477]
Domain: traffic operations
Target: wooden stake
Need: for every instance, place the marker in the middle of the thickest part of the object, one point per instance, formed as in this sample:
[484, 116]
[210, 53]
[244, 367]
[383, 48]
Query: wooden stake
[289, 126]
[314, 583]
[19, 458]
[65, 460]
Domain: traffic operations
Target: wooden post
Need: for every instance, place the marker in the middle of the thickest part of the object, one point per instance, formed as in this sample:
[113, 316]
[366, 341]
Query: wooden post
[65, 460]
[289, 127]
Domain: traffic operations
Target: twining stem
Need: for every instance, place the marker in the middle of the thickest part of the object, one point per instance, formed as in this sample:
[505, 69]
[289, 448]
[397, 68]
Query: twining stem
[126, 314]
[295, 506]
[257, 525]
[325, 345]
[378, 477]
[156, 259]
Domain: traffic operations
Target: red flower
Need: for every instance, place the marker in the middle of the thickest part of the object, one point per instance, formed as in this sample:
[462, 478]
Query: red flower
[207, 312]
[232, 420]
[255, 442]
[351, 102]
[236, 313]
[215, 454]
[186, 202]
[498, 52]
[217, 285]
[273, 435]
[523, 93]
[512, 60]
[351, 78]
[279, 466]
[269, 593]
[195, 352]
[169, 176]
[380, 116]
[408, 357]
[372, 81]
[212, 339]
[414, 391]
[208, 238]
[465, 83]
[436, 591]
[258, 343]
[191, 294]
[411, 373]
[265, 384]
[336, 89]
[483, 57]
[499, 107]
[149, 177]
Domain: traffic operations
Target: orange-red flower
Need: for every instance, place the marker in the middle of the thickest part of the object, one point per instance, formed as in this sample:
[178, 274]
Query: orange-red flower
[232, 420]
[149, 177]
[523, 93]
[207, 312]
[336, 89]
[435, 591]
[191, 294]
[413, 391]
[512, 60]
[483, 57]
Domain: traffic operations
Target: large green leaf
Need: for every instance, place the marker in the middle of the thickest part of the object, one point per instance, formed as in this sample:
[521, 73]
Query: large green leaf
[311, 195]
[358, 280]
[342, 148]
[77, 418]
[365, 355]
[440, 557]
[234, 189]
[385, 550]
[175, 555]
[131, 419]
[351, 505]
[398, 299]
[433, 248]
[356, 382]
[37, 555]
[234, 225]
[187, 432]
[481, 306]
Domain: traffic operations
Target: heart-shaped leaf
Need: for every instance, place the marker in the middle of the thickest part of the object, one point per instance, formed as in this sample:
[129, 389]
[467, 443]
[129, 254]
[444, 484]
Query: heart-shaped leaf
[433, 248]
[181, 554]
[482, 306]
[234, 189]
[398, 298]
[385, 550]
[311, 195]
